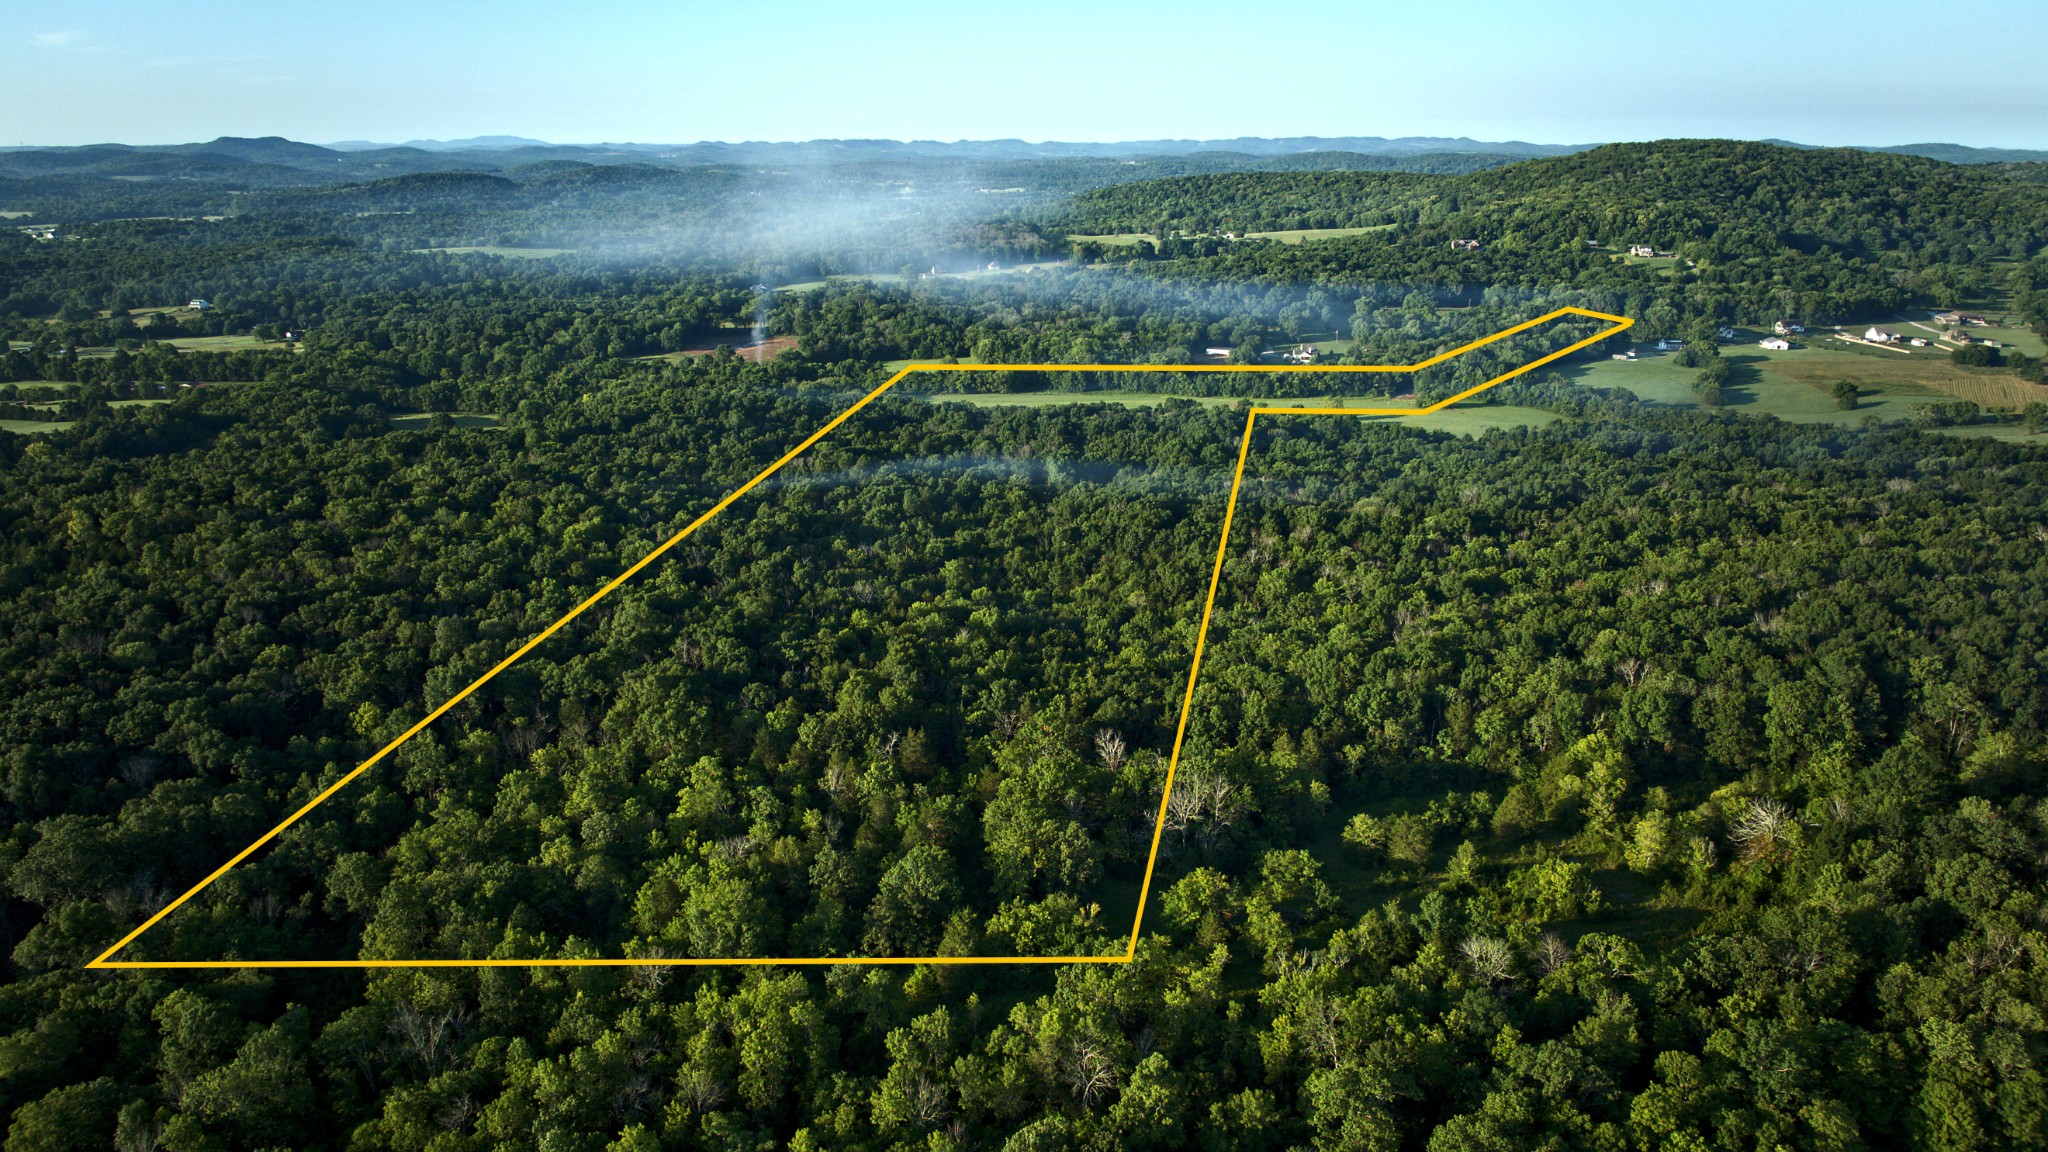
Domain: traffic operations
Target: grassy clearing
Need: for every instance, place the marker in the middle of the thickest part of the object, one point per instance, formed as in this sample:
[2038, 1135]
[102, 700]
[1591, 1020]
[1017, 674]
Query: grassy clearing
[1819, 367]
[871, 278]
[1662, 265]
[1796, 385]
[2010, 433]
[1112, 239]
[31, 427]
[144, 317]
[30, 389]
[421, 420]
[1004, 270]
[900, 365]
[500, 250]
[1472, 419]
[1465, 420]
[2017, 339]
[226, 344]
[136, 403]
[9, 215]
[1284, 236]
[1048, 399]
[1306, 235]
[737, 339]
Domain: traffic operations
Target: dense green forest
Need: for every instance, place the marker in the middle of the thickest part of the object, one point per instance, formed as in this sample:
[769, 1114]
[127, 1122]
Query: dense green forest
[1653, 779]
[1760, 232]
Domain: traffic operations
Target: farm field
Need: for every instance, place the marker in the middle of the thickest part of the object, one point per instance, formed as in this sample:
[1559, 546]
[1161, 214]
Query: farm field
[31, 427]
[2017, 339]
[1794, 385]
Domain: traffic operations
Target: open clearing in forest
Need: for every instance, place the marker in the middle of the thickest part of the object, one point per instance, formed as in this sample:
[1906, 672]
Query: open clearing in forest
[1284, 235]
[1465, 419]
[1615, 324]
[766, 350]
[227, 344]
[1305, 235]
[1797, 385]
[499, 250]
[415, 421]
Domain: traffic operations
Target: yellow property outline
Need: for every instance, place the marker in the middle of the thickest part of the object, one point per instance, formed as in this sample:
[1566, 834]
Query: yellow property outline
[1620, 324]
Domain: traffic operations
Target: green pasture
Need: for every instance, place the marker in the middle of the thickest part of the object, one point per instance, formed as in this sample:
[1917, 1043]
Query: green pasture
[226, 344]
[1797, 385]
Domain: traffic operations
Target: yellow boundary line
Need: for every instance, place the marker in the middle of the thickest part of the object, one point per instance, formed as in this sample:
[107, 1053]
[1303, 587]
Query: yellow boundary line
[1244, 448]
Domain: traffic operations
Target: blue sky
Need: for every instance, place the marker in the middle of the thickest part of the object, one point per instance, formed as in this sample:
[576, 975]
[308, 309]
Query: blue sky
[1865, 73]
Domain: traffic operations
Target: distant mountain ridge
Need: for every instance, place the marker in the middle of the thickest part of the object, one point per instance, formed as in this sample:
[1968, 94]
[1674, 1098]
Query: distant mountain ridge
[476, 142]
[1018, 149]
[1947, 153]
[276, 161]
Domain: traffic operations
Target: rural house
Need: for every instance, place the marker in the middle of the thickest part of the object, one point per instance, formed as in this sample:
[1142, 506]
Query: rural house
[1775, 344]
[1875, 335]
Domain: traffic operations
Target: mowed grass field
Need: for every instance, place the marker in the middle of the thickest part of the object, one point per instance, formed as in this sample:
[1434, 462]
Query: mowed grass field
[226, 344]
[1797, 385]
[39, 389]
